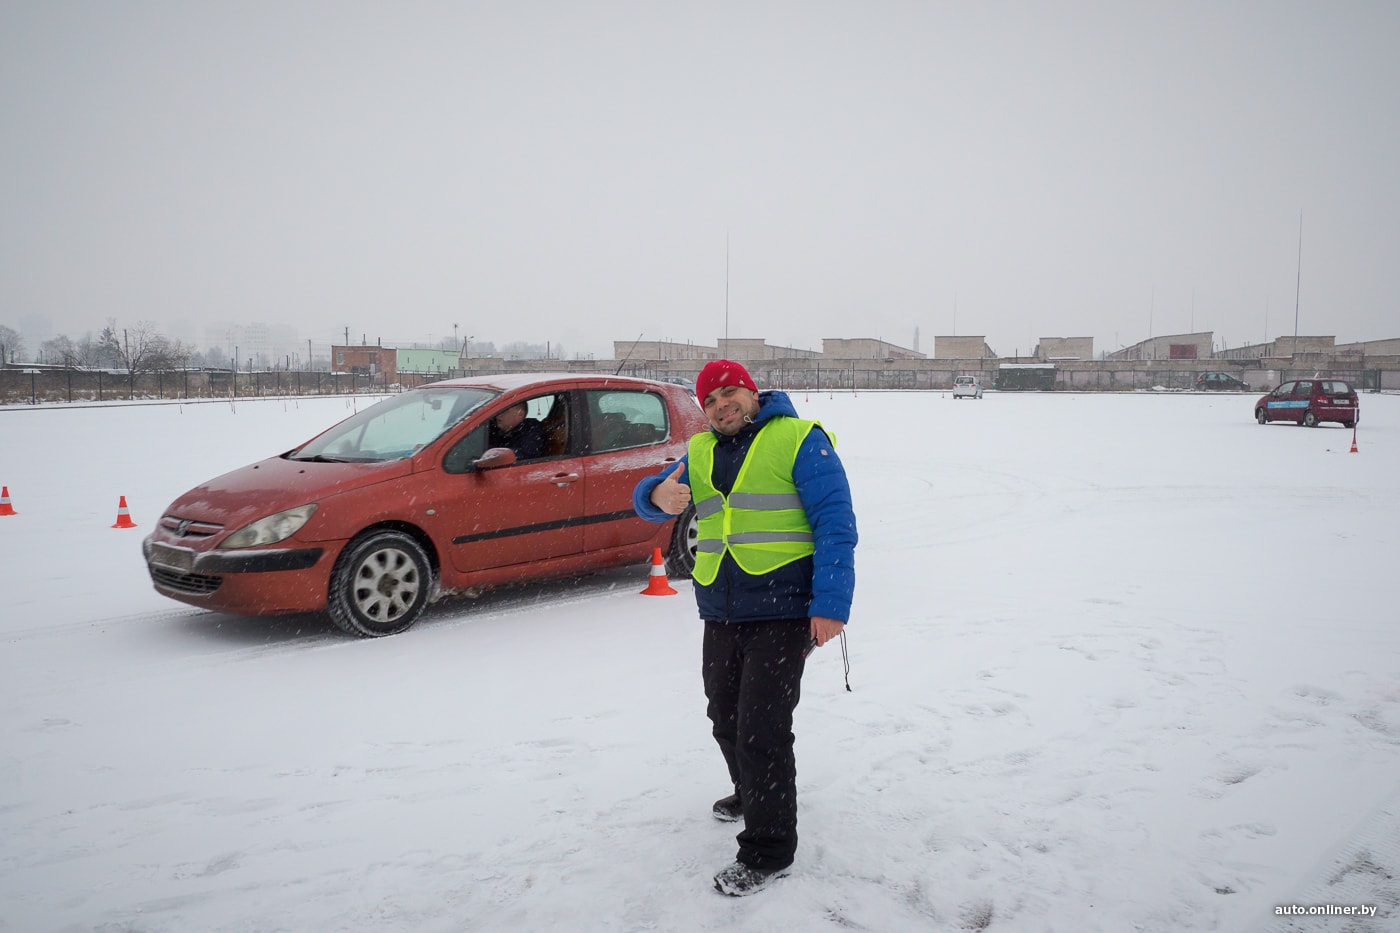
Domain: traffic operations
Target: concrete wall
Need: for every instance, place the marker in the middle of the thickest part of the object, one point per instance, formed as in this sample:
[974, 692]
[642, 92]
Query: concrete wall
[1060, 348]
[1292, 346]
[836, 348]
[751, 349]
[662, 350]
[961, 348]
[1389, 347]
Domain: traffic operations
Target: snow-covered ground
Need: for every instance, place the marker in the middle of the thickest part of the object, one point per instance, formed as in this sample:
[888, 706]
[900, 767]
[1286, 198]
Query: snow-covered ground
[1123, 662]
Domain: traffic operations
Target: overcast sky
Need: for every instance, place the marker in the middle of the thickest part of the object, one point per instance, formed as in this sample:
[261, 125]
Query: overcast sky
[572, 171]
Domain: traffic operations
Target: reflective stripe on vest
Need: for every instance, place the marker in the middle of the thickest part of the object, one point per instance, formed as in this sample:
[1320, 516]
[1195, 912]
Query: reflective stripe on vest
[761, 522]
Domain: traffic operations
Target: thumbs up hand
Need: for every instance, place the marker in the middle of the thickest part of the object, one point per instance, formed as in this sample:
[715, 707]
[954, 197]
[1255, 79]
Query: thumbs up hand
[671, 495]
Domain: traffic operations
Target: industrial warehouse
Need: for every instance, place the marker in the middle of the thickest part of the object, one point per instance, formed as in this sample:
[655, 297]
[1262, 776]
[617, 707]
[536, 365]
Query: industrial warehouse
[1063, 364]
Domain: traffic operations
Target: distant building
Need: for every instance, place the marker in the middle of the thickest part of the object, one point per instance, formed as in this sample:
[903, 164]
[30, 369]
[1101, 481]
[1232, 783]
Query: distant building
[1389, 347]
[35, 330]
[372, 361]
[1065, 348]
[866, 348]
[265, 345]
[428, 361]
[962, 348]
[746, 349]
[1199, 346]
[662, 350]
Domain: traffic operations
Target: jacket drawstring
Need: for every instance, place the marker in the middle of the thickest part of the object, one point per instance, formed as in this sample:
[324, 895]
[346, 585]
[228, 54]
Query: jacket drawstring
[846, 660]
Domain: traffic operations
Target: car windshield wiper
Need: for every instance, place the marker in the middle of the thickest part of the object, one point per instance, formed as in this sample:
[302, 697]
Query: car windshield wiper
[319, 458]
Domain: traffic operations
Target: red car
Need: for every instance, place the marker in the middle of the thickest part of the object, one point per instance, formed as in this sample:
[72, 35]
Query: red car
[1310, 402]
[406, 501]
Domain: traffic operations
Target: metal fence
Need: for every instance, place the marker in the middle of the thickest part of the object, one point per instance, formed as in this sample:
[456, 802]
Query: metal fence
[19, 385]
[40, 386]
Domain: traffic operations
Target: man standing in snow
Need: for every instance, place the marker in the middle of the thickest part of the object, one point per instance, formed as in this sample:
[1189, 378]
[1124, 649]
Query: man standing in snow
[774, 574]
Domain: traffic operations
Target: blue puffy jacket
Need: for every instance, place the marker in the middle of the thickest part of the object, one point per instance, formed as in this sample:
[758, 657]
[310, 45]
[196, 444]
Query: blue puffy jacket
[820, 585]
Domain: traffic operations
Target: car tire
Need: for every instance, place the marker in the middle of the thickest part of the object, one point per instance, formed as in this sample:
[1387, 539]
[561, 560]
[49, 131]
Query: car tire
[380, 585]
[1309, 419]
[1260, 416]
[680, 558]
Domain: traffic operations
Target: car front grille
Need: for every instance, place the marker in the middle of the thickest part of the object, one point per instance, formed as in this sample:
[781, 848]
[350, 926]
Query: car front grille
[189, 527]
[192, 584]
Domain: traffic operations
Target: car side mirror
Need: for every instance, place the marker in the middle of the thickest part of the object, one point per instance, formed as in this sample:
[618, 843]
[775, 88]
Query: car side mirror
[494, 459]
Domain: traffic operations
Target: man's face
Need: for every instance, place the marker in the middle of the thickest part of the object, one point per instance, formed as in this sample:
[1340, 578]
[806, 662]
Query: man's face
[511, 417]
[727, 406]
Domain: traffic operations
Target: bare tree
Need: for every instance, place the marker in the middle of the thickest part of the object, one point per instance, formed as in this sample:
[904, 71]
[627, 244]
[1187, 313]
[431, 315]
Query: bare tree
[62, 349]
[169, 354]
[11, 345]
[523, 350]
[139, 348]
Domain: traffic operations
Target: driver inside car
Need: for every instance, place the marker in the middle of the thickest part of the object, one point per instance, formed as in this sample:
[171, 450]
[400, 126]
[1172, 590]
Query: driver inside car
[511, 428]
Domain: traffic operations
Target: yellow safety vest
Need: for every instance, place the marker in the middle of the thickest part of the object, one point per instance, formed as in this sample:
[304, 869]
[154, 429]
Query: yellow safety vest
[761, 522]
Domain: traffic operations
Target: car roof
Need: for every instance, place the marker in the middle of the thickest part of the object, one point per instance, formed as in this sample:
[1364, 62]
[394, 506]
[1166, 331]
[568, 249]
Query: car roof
[510, 382]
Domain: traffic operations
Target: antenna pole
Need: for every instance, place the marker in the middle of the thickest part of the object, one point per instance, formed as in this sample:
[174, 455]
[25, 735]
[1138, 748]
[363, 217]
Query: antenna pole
[1151, 306]
[630, 350]
[726, 285]
[1297, 295]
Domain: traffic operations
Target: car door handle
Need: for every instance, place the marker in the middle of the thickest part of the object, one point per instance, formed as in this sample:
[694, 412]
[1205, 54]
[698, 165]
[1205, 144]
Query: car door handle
[564, 479]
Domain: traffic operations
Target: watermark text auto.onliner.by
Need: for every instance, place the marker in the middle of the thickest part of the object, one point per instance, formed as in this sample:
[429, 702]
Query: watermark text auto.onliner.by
[1325, 910]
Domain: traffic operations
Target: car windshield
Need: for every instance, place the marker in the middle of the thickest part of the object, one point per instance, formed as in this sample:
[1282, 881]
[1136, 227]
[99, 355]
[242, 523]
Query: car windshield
[395, 428]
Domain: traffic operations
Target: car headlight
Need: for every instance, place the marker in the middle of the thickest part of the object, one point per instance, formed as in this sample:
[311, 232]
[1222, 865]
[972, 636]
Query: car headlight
[272, 529]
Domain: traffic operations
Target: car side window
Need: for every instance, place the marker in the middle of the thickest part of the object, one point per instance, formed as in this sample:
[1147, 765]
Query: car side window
[1303, 389]
[466, 451]
[619, 419]
[549, 411]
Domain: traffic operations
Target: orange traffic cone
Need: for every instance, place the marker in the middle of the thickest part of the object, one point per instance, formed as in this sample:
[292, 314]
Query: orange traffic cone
[1353, 449]
[123, 516]
[5, 507]
[657, 584]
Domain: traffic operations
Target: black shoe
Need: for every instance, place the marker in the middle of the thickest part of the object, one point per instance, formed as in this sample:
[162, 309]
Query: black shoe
[729, 809]
[739, 879]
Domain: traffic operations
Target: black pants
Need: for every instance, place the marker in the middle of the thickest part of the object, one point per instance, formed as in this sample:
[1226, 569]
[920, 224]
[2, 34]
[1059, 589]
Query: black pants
[753, 672]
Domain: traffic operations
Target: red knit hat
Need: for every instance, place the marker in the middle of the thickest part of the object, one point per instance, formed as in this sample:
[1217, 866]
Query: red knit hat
[720, 373]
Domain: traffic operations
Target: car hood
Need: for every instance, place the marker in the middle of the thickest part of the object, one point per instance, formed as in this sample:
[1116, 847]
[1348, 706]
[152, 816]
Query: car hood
[275, 484]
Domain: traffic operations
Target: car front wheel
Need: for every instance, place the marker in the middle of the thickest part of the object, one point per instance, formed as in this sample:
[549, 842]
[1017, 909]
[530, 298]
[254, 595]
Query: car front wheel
[380, 584]
[1309, 419]
[1260, 417]
[680, 560]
